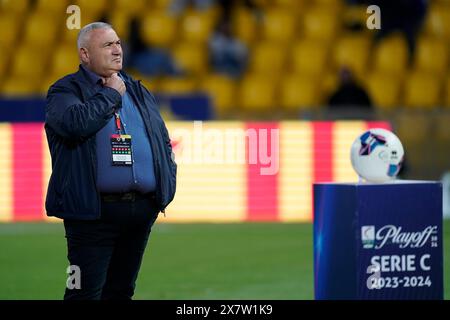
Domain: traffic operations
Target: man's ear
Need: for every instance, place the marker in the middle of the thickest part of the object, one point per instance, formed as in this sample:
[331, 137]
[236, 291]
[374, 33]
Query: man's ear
[84, 55]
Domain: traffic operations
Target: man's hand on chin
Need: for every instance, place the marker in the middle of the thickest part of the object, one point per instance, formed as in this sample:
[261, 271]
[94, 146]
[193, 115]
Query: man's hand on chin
[115, 82]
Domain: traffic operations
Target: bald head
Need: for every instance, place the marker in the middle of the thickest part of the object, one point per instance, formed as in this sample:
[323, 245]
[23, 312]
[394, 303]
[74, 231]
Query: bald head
[100, 49]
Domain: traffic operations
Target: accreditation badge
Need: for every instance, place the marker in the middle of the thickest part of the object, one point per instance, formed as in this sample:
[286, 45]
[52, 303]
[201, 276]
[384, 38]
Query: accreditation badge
[121, 150]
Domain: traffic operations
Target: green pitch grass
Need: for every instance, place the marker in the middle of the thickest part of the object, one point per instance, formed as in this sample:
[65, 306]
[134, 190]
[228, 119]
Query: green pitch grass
[182, 261]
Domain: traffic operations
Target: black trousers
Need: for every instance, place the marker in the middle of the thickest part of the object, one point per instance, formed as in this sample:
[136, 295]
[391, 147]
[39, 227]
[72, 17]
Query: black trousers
[109, 251]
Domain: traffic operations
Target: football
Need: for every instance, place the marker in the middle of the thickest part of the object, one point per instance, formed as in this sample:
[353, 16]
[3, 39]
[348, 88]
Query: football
[377, 155]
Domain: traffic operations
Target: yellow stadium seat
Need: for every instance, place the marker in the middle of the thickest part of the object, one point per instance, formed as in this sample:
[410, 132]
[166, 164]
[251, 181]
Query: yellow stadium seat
[352, 51]
[28, 64]
[309, 57]
[245, 26]
[192, 58]
[159, 29]
[41, 30]
[384, 90]
[9, 31]
[127, 7]
[279, 26]
[437, 22]
[18, 86]
[391, 55]
[431, 56]
[14, 7]
[256, 93]
[222, 91]
[69, 37]
[299, 92]
[90, 8]
[65, 60]
[422, 90]
[52, 6]
[160, 4]
[268, 58]
[335, 4]
[120, 20]
[196, 26]
[4, 59]
[294, 6]
[355, 14]
[177, 85]
[321, 23]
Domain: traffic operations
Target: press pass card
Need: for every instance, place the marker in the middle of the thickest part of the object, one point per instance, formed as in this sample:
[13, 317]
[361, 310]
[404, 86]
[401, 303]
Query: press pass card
[121, 150]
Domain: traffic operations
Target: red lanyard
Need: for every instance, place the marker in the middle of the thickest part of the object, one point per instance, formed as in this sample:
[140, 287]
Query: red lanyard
[118, 122]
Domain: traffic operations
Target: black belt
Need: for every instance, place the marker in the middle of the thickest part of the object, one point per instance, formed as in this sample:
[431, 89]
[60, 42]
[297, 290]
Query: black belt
[126, 197]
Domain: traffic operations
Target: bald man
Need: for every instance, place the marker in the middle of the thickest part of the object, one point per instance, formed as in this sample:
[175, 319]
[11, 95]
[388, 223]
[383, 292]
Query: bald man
[113, 169]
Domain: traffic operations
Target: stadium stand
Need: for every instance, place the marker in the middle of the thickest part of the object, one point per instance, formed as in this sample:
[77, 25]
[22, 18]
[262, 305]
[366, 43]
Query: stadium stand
[296, 48]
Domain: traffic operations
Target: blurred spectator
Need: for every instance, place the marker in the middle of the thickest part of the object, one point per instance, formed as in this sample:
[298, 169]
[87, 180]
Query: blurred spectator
[349, 93]
[149, 61]
[227, 54]
[406, 16]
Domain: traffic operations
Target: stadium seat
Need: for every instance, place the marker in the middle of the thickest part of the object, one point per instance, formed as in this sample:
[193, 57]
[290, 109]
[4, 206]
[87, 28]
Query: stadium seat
[355, 15]
[335, 4]
[391, 55]
[127, 7]
[268, 59]
[9, 31]
[65, 60]
[41, 30]
[14, 8]
[352, 51]
[431, 56]
[51, 6]
[422, 90]
[159, 29]
[437, 22]
[4, 59]
[384, 90]
[120, 20]
[309, 57]
[69, 37]
[294, 6]
[244, 26]
[177, 85]
[160, 4]
[279, 26]
[256, 93]
[196, 26]
[321, 23]
[18, 87]
[28, 64]
[299, 92]
[222, 91]
[191, 57]
[92, 8]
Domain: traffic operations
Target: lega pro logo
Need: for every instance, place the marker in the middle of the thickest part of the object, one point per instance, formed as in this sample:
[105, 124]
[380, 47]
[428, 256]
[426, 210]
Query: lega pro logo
[393, 235]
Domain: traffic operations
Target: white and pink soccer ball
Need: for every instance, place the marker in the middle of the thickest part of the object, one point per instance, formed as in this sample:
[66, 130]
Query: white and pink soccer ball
[377, 155]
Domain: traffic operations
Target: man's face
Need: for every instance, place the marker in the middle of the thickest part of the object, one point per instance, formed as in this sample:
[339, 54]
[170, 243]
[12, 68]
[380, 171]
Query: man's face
[103, 52]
